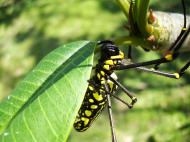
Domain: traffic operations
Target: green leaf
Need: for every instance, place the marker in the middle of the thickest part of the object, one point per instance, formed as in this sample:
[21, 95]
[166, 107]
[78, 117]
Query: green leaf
[43, 106]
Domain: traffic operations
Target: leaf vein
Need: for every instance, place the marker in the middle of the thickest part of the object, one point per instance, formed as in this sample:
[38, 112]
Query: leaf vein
[28, 128]
[5, 112]
[49, 61]
[30, 83]
[41, 71]
[12, 104]
[51, 100]
[57, 90]
[44, 113]
[17, 98]
[57, 53]
[12, 135]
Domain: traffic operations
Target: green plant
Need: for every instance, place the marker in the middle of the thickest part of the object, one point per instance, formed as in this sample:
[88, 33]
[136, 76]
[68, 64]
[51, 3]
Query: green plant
[52, 92]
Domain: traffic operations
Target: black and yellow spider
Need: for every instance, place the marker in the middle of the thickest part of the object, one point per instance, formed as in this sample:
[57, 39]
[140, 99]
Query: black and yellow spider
[104, 83]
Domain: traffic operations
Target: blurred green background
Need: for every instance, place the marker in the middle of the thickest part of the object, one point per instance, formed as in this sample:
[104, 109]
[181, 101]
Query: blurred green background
[31, 29]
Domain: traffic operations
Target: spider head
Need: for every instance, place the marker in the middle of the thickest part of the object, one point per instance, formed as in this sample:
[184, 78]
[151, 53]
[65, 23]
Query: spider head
[110, 51]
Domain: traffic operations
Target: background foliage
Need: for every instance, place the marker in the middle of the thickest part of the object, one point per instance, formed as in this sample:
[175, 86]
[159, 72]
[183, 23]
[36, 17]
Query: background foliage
[31, 29]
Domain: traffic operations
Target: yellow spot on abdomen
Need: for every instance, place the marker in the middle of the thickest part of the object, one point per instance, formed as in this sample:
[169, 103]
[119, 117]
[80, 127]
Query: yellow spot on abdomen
[93, 106]
[106, 67]
[102, 82]
[102, 73]
[88, 113]
[98, 75]
[97, 96]
[91, 100]
[109, 62]
[86, 120]
[91, 88]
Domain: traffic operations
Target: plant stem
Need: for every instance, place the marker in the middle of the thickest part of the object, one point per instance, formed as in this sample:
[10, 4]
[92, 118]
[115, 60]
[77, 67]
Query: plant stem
[164, 30]
[142, 20]
[132, 40]
[124, 5]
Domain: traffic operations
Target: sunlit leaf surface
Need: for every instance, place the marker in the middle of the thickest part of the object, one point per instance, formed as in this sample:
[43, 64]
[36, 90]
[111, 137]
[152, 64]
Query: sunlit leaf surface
[43, 106]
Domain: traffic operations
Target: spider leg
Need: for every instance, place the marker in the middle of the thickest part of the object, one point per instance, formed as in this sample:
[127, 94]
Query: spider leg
[129, 55]
[127, 92]
[110, 113]
[180, 39]
[97, 87]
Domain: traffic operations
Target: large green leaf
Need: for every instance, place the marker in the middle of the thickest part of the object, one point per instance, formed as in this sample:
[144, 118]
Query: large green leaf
[43, 106]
